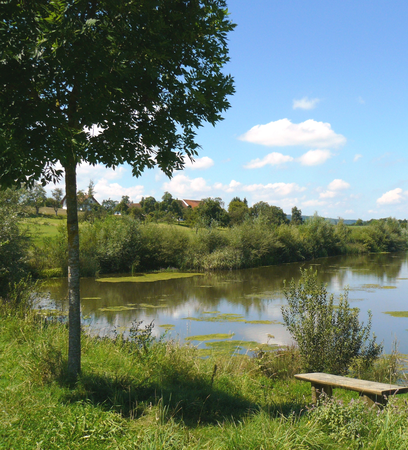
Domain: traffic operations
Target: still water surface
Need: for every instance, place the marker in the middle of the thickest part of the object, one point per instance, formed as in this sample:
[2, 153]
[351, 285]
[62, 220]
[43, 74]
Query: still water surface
[221, 302]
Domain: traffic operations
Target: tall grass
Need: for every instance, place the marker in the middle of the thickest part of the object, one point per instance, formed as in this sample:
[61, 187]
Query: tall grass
[151, 394]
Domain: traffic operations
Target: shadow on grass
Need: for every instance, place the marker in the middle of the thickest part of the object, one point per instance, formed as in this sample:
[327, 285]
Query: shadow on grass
[194, 401]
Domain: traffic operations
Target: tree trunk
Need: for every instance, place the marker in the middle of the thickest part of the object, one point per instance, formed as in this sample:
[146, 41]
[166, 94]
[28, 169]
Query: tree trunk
[74, 344]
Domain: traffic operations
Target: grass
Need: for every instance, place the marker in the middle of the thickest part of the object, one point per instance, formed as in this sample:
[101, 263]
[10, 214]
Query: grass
[42, 227]
[165, 396]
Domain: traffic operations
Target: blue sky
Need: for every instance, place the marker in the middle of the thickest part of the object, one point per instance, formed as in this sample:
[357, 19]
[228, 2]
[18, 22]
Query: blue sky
[318, 120]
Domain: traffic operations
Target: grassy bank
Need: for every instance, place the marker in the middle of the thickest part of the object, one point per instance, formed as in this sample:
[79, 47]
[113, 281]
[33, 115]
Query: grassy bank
[122, 244]
[150, 394]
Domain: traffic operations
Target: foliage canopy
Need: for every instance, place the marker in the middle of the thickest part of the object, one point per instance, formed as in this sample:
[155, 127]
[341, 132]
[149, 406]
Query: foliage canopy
[146, 73]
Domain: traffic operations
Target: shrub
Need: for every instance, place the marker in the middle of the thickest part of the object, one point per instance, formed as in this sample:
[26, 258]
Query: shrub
[329, 337]
[13, 241]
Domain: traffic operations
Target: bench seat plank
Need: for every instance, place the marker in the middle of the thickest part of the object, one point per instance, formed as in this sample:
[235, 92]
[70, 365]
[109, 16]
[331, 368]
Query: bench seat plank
[365, 387]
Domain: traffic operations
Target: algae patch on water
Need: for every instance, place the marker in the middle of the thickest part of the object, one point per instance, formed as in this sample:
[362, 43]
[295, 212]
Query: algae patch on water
[396, 313]
[167, 326]
[117, 308]
[149, 277]
[377, 286]
[229, 317]
[209, 337]
[147, 306]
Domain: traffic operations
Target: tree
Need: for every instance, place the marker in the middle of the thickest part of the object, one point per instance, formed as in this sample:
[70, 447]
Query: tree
[329, 337]
[171, 207]
[57, 195]
[211, 212]
[109, 205]
[148, 204]
[81, 199]
[123, 206]
[273, 215]
[146, 73]
[36, 197]
[238, 210]
[91, 189]
[296, 218]
[13, 240]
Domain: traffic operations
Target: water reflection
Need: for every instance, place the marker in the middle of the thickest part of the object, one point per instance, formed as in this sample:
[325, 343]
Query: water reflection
[254, 293]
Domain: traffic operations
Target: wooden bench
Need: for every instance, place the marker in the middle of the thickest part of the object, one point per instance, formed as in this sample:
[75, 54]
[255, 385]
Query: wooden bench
[371, 391]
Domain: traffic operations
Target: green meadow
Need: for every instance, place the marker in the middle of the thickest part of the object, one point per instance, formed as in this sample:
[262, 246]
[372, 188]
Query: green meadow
[144, 393]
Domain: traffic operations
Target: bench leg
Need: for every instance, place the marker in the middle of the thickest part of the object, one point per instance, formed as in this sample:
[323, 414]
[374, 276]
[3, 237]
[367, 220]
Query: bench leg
[319, 390]
[373, 400]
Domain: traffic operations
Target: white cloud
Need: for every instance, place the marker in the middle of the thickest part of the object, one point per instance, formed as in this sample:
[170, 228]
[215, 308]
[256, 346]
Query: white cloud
[328, 194]
[181, 185]
[305, 103]
[87, 172]
[357, 157]
[283, 133]
[104, 190]
[272, 159]
[315, 157]
[313, 203]
[231, 187]
[277, 189]
[392, 197]
[199, 163]
[338, 185]
[334, 188]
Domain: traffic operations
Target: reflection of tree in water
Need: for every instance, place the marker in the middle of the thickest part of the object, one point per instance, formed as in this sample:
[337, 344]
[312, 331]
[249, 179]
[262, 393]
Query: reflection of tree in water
[250, 289]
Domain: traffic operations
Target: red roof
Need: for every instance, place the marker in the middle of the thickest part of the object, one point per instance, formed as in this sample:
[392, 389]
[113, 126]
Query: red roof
[192, 203]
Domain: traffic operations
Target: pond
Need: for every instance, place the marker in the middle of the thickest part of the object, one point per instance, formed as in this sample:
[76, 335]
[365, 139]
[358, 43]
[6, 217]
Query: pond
[243, 305]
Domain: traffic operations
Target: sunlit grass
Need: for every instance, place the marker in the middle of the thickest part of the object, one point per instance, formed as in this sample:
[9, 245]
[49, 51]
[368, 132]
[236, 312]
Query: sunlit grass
[167, 396]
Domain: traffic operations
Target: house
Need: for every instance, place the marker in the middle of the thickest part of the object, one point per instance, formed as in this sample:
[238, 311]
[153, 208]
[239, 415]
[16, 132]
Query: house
[87, 202]
[190, 203]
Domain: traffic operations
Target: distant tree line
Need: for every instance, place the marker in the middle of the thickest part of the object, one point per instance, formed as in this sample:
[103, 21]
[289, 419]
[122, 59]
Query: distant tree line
[238, 237]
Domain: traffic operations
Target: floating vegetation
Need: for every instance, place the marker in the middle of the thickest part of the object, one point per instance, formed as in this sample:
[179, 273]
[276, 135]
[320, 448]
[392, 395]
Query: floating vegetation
[219, 318]
[377, 286]
[402, 278]
[210, 312]
[167, 326]
[263, 295]
[117, 308]
[229, 317]
[90, 298]
[149, 277]
[265, 322]
[396, 313]
[147, 305]
[209, 337]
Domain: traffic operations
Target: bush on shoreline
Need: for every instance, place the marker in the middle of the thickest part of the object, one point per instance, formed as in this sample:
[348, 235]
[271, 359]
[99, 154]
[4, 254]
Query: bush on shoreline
[123, 244]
